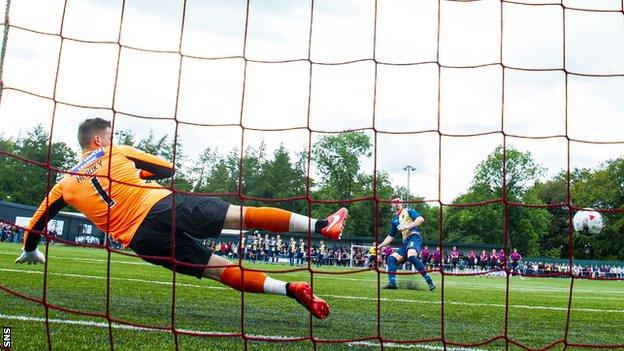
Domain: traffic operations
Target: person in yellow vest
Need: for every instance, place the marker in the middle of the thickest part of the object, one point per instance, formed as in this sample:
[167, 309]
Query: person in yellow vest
[372, 252]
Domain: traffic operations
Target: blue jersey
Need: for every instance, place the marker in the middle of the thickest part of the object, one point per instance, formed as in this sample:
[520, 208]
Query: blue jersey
[405, 217]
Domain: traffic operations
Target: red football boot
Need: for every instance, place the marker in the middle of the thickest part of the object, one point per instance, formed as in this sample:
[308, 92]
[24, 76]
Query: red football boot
[302, 292]
[333, 230]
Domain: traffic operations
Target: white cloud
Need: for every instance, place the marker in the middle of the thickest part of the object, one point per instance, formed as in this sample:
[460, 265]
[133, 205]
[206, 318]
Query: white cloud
[147, 83]
[87, 74]
[278, 30]
[342, 30]
[282, 103]
[30, 62]
[534, 103]
[400, 37]
[534, 43]
[214, 28]
[342, 96]
[596, 108]
[152, 27]
[469, 33]
[211, 91]
[406, 98]
[595, 42]
[470, 100]
[96, 20]
[40, 15]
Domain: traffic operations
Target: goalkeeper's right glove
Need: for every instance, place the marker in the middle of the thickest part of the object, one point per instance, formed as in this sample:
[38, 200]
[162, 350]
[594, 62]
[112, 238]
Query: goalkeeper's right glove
[31, 257]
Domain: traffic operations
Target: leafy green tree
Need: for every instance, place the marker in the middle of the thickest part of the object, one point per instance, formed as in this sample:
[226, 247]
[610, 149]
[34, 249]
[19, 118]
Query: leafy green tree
[125, 137]
[485, 223]
[337, 160]
[202, 168]
[162, 147]
[337, 157]
[24, 182]
[222, 177]
[283, 179]
[254, 182]
[554, 241]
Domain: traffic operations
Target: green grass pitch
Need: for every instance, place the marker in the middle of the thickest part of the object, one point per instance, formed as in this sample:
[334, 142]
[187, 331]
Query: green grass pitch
[474, 309]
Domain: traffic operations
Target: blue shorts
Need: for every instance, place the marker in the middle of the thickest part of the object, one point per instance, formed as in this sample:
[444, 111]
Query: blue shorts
[414, 241]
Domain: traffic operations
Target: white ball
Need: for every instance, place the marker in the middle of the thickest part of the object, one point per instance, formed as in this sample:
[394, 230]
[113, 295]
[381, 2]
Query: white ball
[588, 220]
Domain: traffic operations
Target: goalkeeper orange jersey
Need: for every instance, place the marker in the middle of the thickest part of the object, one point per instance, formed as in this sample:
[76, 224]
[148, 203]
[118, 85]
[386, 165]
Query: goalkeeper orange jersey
[108, 186]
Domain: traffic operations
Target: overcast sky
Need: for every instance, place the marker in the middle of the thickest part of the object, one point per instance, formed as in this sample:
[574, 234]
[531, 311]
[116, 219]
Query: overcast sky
[335, 94]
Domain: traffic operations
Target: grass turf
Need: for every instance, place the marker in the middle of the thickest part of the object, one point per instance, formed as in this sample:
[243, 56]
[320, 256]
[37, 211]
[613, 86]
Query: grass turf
[140, 293]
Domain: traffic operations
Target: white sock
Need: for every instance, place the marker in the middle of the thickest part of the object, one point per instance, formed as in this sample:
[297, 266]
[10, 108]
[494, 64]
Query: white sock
[301, 224]
[274, 286]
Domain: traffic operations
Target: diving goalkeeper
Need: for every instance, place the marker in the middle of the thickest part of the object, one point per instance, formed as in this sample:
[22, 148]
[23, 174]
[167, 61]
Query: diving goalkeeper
[109, 186]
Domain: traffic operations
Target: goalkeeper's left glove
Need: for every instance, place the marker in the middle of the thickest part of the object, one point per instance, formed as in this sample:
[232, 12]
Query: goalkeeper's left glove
[31, 257]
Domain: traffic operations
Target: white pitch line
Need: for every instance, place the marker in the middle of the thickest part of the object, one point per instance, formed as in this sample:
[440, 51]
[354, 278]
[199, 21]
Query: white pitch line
[139, 263]
[219, 333]
[73, 275]
[412, 346]
[474, 304]
[348, 297]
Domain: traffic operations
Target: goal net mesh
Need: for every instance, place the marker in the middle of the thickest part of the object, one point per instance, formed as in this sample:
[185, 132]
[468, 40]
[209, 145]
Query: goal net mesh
[500, 71]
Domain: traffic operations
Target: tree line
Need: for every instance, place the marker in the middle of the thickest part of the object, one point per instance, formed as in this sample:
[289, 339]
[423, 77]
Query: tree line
[524, 207]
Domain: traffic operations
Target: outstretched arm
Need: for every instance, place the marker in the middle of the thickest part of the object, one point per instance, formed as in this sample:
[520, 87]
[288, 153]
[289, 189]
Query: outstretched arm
[391, 235]
[152, 167]
[48, 208]
[386, 242]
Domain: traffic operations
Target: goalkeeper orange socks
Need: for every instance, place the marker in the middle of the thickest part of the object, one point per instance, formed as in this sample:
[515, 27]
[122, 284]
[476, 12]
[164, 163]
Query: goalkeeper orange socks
[252, 281]
[280, 221]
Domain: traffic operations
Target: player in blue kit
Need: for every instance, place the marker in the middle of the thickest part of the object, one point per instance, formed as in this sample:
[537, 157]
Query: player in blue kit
[406, 221]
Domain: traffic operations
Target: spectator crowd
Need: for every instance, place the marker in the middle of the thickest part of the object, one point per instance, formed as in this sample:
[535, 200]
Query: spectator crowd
[274, 249]
[10, 233]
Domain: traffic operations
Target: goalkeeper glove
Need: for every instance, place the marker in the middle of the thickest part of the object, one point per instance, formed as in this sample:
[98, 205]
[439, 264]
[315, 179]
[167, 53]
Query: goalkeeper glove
[31, 257]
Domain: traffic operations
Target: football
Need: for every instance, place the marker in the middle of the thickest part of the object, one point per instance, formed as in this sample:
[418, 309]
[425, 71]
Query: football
[588, 220]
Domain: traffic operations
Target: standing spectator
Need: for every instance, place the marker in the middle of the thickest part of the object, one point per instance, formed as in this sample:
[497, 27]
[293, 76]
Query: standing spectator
[301, 249]
[241, 247]
[280, 248]
[255, 249]
[249, 247]
[292, 251]
[515, 258]
[472, 259]
[266, 248]
[493, 260]
[273, 250]
[455, 259]
[322, 251]
[387, 251]
[260, 250]
[425, 254]
[19, 233]
[437, 258]
[502, 259]
[483, 260]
